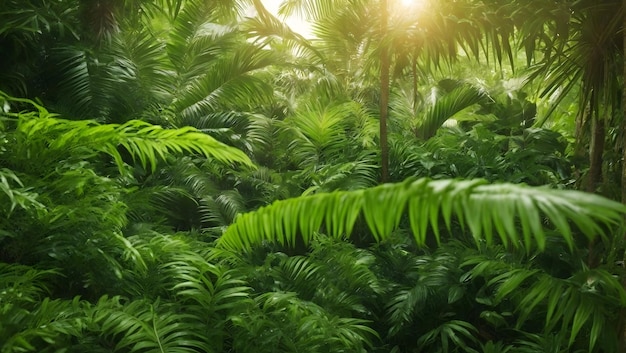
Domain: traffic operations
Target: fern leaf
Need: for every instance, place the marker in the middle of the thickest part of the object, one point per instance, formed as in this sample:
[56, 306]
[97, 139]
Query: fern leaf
[475, 203]
[147, 143]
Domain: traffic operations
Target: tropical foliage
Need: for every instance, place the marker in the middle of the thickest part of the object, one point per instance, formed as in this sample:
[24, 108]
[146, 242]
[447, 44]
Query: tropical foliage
[197, 176]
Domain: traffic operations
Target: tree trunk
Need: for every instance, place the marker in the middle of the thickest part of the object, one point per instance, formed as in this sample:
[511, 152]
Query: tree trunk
[384, 95]
[596, 150]
[594, 177]
[415, 93]
[579, 134]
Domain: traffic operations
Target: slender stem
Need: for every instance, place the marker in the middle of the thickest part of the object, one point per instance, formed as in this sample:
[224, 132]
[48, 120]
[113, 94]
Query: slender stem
[415, 93]
[384, 94]
[596, 150]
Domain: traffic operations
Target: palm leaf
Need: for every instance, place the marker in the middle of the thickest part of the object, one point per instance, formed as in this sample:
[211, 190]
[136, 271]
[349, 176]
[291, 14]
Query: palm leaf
[18, 195]
[21, 284]
[55, 322]
[457, 331]
[197, 37]
[284, 322]
[314, 9]
[580, 304]
[446, 107]
[147, 143]
[220, 210]
[84, 82]
[139, 65]
[487, 210]
[147, 327]
[227, 83]
[434, 283]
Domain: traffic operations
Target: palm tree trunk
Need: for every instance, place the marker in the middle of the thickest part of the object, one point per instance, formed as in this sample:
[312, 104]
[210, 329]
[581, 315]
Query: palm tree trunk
[594, 177]
[384, 96]
[579, 135]
[415, 93]
[596, 150]
[596, 144]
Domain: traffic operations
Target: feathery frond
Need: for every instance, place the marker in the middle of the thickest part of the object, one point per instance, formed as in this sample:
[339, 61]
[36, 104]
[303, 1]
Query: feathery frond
[18, 195]
[148, 143]
[150, 327]
[487, 210]
[446, 107]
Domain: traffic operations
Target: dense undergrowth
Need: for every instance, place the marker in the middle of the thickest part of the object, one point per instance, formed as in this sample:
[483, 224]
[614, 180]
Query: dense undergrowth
[177, 180]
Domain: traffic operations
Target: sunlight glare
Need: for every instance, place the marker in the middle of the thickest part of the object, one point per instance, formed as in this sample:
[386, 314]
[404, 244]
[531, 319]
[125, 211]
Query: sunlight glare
[298, 25]
[416, 4]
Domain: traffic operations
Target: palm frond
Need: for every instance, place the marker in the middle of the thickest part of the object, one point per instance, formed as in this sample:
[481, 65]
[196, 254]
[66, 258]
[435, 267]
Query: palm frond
[265, 28]
[84, 82]
[208, 289]
[320, 133]
[18, 195]
[285, 322]
[453, 333]
[28, 20]
[197, 37]
[584, 300]
[145, 142]
[313, 9]
[139, 72]
[50, 324]
[487, 210]
[434, 284]
[576, 299]
[229, 82]
[151, 327]
[446, 107]
[21, 284]
[220, 210]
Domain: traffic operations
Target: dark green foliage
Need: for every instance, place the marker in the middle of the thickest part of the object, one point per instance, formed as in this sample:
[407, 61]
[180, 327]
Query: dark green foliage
[533, 156]
[222, 195]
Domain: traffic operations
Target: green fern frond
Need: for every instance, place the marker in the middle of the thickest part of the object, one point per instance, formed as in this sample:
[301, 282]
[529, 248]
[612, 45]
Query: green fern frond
[434, 284]
[147, 143]
[283, 322]
[487, 210]
[21, 284]
[227, 83]
[222, 209]
[48, 325]
[453, 333]
[584, 300]
[446, 107]
[18, 195]
[146, 327]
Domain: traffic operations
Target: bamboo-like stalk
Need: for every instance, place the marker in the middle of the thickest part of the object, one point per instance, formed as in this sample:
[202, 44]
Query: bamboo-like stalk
[384, 95]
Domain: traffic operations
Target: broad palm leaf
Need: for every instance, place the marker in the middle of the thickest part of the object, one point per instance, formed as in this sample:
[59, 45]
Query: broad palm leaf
[488, 211]
[442, 103]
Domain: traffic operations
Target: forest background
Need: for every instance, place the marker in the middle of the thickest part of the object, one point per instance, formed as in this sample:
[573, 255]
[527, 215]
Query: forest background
[426, 176]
